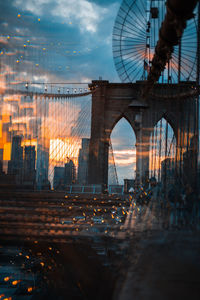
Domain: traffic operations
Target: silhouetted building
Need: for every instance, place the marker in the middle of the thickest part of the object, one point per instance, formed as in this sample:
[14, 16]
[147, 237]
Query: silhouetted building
[29, 175]
[42, 165]
[70, 172]
[129, 185]
[59, 177]
[83, 162]
[15, 165]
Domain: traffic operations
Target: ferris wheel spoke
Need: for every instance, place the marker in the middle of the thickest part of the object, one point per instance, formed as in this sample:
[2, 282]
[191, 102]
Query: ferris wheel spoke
[135, 57]
[140, 19]
[190, 61]
[137, 20]
[185, 61]
[118, 53]
[136, 75]
[185, 54]
[138, 32]
[122, 56]
[129, 45]
[133, 26]
[127, 37]
[131, 42]
[126, 65]
[127, 69]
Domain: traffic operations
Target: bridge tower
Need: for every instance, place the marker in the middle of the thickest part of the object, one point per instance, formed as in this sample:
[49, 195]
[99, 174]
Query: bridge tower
[113, 101]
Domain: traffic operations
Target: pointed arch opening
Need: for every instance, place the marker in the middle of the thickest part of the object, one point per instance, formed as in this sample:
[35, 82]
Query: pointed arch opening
[122, 153]
[162, 153]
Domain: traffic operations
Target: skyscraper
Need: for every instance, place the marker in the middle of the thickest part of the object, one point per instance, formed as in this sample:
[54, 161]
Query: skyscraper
[83, 162]
[59, 177]
[42, 165]
[70, 172]
[29, 172]
[15, 165]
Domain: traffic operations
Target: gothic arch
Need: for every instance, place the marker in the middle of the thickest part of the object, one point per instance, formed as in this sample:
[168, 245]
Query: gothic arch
[122, 116]
[169, 118]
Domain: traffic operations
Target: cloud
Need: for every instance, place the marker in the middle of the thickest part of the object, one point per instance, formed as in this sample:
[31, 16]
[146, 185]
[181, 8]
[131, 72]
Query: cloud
[34, 6]
[87, 14]
[82, 12]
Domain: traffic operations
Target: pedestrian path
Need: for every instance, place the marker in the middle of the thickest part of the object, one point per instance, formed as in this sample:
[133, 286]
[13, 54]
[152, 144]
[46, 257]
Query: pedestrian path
[164, 266]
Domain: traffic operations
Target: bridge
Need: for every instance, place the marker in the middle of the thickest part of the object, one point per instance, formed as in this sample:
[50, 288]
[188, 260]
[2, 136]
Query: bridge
[49, 130]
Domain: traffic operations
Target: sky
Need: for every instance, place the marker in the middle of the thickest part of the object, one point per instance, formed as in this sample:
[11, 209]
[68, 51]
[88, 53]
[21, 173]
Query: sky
[65, 41]
[59, 41]
[70, 38]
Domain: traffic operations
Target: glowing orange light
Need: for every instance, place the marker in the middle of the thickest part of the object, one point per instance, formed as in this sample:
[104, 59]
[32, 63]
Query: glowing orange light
[19, 16]
[15, 282]
[6, 279]
[42, 264]
[29, 289]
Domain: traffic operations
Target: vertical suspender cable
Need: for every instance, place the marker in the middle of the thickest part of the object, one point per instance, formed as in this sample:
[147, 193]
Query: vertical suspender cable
[160, 141]
[155, 155]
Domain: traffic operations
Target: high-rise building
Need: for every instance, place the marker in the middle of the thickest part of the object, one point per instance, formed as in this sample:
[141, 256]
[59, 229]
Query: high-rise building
[42, 165]
[29, 172]
[59, 177]
[70, 173]
[15, 165]
[129, 185]
[83, 162]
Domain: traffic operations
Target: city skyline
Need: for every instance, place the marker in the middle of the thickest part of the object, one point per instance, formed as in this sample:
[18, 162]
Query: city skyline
[41, 46]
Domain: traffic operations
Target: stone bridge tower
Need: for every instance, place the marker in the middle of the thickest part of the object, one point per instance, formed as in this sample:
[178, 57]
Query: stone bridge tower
[113, 101]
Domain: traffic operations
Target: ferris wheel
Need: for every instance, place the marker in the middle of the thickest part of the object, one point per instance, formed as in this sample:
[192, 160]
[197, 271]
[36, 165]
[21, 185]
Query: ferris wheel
[135, 34]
